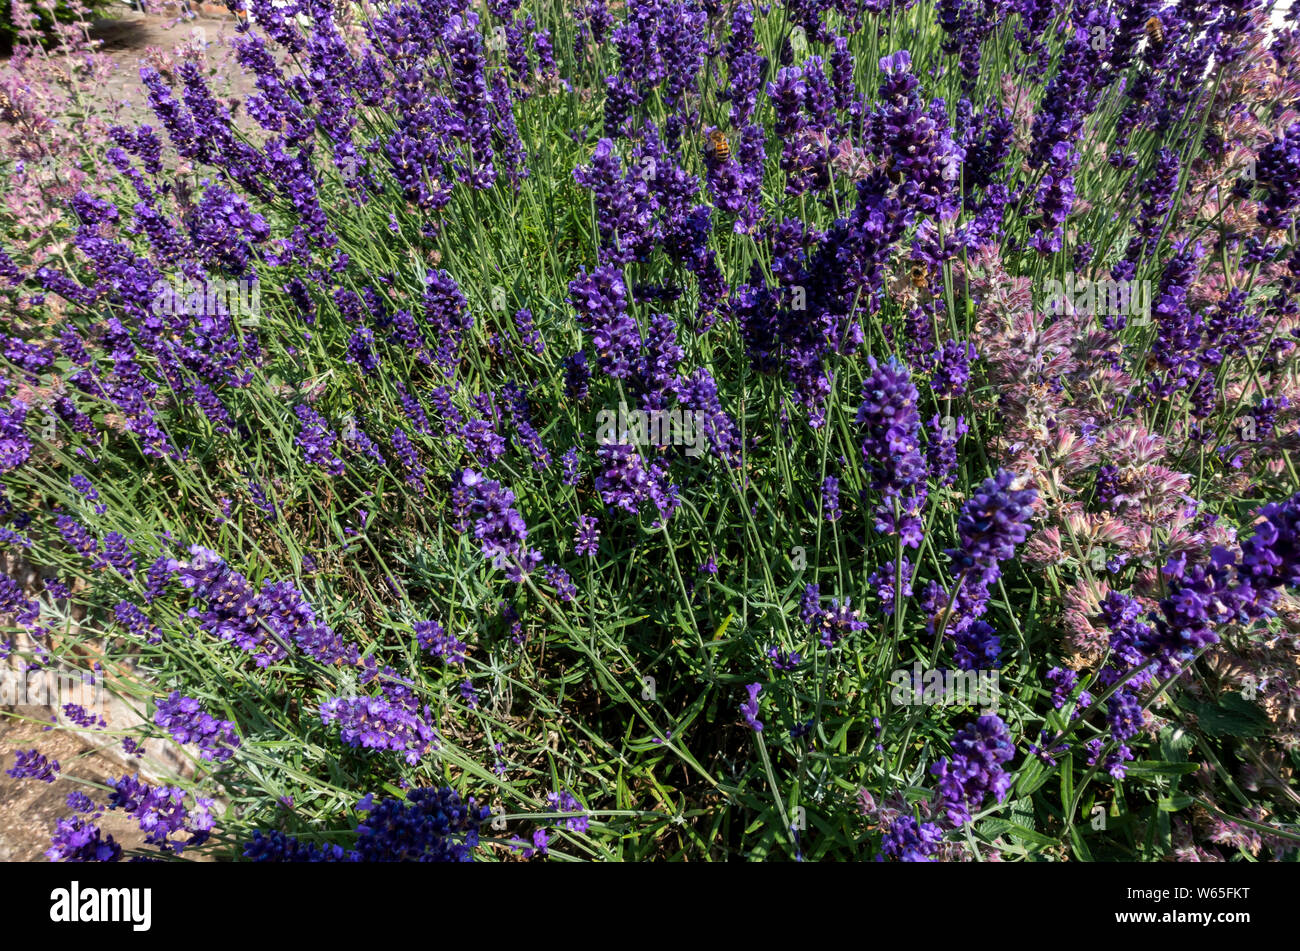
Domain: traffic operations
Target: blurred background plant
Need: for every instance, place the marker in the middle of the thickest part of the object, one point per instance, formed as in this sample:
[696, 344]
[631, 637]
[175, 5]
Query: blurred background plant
[45, 22]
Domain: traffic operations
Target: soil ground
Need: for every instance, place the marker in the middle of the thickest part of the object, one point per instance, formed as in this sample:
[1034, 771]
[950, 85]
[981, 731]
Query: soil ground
[29, 809]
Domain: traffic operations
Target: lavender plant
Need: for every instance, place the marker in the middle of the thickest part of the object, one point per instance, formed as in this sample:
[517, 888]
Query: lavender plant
[363, 550]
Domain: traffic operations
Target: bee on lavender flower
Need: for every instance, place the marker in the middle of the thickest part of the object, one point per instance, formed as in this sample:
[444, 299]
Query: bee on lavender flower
[895, 174]
[1155, 31]
[717, 148]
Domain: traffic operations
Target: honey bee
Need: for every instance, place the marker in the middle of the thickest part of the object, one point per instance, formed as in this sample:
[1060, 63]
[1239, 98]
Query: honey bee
[1214, 133]
[895, 174]
[919, 274]
[718, 149]
[1155, 32]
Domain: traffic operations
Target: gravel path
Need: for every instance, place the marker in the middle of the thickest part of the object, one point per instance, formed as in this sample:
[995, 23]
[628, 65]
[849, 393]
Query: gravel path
[130, 36]
[29, 809]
